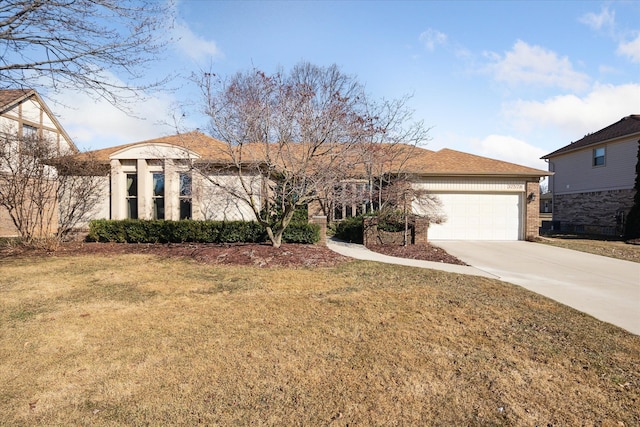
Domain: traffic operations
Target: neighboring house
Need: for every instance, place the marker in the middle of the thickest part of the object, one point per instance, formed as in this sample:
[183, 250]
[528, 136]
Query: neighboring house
[483, 199]
[24, 115]
[593, 179]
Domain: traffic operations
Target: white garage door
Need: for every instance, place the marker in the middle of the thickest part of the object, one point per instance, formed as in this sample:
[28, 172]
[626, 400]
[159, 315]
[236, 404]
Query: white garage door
[479, 216]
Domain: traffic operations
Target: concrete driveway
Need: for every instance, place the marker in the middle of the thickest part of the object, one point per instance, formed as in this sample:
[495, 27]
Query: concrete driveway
[606, 288]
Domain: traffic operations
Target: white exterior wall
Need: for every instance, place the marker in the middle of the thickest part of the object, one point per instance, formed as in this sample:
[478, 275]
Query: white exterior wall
[209, 201]
[574, 172]
[471, 184]
[215, 202]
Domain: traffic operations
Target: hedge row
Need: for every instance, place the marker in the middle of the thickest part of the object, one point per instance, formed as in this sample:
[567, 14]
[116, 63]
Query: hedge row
[159, 231]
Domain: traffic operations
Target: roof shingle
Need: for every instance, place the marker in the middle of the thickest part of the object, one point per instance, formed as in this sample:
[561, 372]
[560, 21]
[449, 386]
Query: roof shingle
[9, 96]
[626, 126]
[421, 161]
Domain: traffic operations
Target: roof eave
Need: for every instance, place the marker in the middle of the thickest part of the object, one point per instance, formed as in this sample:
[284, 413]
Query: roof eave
[565, 150]
[539, 174]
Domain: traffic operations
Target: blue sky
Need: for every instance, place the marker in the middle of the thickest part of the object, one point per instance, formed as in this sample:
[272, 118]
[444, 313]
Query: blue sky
[512, 80]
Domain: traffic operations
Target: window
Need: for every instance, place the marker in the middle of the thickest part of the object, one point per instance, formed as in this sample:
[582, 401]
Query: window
[132, 196]
[29, 131]
[598, 156]
[158, 196]
[185, 196]
[350, 199]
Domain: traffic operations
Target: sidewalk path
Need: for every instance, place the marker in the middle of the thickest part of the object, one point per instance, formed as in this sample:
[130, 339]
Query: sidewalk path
[357, 251]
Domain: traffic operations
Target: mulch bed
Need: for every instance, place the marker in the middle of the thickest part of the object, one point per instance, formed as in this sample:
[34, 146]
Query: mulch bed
[421, 252]
[260, 255]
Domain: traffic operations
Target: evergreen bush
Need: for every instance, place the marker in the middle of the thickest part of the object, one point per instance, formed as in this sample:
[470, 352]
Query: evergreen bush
[160, 231]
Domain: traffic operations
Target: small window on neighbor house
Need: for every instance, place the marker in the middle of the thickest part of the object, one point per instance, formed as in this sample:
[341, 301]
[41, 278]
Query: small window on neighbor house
[185, 196]
[158, 196]
[132, 196]
[598, 156]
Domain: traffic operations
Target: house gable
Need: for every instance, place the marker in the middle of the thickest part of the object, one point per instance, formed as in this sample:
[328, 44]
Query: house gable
[627, 128]
[20, 108]
[154, 151]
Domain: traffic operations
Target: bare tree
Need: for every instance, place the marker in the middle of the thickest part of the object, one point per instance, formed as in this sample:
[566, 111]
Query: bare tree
[288, 135]
[393, 144]
[82, 186]
[31, 189]
[76, 44]
[406, 202]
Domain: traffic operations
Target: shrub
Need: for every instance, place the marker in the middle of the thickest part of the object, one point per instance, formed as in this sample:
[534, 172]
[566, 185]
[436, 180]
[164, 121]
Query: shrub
[350, 229]
[301, 233]
[159, 231]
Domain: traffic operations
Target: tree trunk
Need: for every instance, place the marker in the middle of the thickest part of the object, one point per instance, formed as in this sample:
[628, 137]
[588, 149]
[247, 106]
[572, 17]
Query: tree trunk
[275, 232]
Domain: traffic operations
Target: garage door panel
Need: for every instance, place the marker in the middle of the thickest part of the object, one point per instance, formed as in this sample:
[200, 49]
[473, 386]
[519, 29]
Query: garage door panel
[479, 216]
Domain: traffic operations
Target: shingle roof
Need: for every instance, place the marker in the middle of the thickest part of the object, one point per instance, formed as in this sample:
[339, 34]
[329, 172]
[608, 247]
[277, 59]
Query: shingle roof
[452, 162]
[626, 126]
[421, 161]
[10, 96]
[204, 145]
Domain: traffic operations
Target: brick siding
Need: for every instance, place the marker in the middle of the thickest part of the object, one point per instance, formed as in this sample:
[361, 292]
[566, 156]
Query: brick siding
[532, 210]
[592, 212]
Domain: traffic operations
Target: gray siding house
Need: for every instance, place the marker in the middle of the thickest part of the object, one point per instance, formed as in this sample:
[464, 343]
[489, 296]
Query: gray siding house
[593, 179]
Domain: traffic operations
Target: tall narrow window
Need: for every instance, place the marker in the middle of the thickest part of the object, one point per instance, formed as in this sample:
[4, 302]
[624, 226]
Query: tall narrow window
[599, 156]
[132, 195]
[185, 196]
[158, 196]
[29, 144]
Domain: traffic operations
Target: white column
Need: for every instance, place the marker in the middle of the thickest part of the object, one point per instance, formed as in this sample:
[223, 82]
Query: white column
[197, 192]
[171, 191]
[145, 190]
[118, 191]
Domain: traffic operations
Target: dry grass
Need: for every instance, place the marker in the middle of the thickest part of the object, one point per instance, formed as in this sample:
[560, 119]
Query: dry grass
[609, 248]
[140, 340]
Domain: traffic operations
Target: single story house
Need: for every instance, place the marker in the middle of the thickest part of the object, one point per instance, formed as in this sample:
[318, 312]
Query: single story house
[482, 198]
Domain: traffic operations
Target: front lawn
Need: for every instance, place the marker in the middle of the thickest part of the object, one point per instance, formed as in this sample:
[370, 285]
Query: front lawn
[140, 339]
[610, 248]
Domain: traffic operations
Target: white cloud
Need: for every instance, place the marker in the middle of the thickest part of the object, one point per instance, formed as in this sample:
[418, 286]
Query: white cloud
[98, 124]
[510, 149]
[599, 21]
[534, 65]
[192, 45]
[573, 115]
[431, 38]
[95, 123]
[630, 49]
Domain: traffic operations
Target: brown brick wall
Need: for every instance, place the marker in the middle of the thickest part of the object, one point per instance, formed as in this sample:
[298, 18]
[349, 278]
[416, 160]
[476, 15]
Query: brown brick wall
[532, 215]
[595, 211]
[321, 220]
[373, 236]
[421, 231]
[7, 229]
